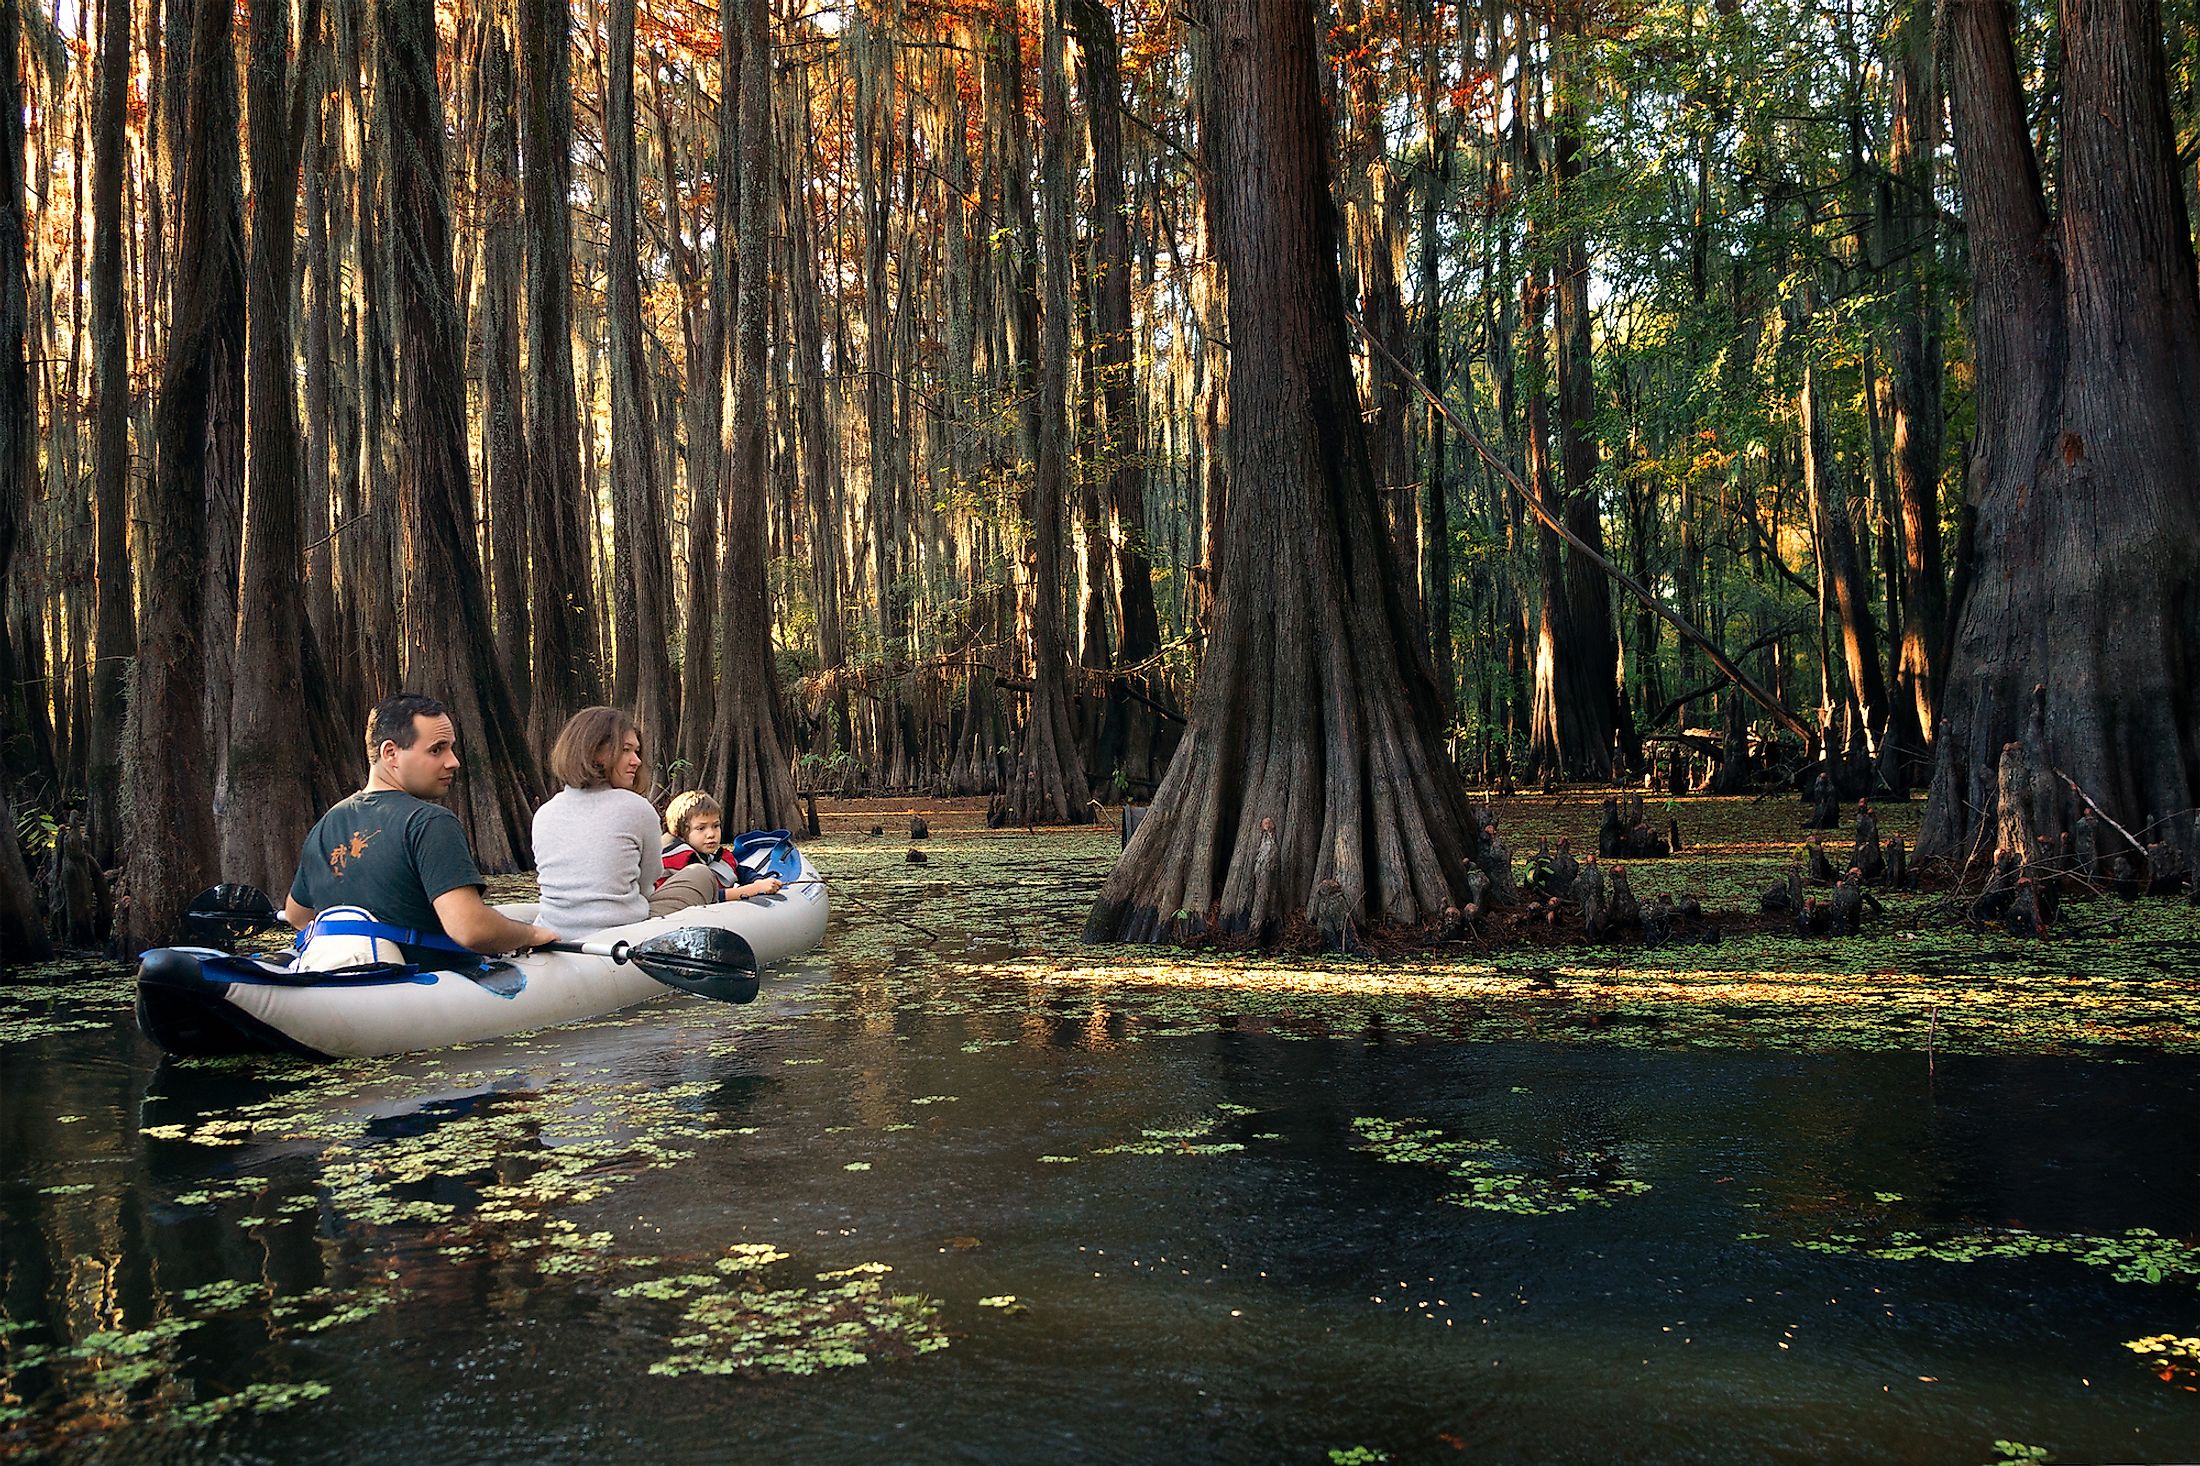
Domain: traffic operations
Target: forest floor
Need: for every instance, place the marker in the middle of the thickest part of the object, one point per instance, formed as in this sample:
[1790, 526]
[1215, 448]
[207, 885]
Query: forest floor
[2113, 975]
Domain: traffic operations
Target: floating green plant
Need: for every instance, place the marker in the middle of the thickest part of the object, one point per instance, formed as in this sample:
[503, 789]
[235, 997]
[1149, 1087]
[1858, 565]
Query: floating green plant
[1582, 1180]
[2137, 1255]
[2017, 1453]
[257, 1399]
[732, 1323]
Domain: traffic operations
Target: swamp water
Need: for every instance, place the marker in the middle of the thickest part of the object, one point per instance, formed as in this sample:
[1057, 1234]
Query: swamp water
[977, 1193]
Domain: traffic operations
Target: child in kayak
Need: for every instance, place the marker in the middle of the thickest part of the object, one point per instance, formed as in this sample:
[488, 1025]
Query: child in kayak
[698, 869]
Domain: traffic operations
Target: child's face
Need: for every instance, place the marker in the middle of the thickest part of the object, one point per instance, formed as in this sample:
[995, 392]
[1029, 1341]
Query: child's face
[703, 834]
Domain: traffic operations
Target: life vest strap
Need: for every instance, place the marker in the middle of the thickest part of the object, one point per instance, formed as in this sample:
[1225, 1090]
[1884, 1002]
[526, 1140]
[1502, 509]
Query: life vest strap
[381, 930]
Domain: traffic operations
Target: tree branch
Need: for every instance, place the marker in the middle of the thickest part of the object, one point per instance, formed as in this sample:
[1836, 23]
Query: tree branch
[1558, 527]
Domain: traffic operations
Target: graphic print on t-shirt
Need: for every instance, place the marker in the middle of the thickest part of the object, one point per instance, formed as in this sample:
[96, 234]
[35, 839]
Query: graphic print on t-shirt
[342, 855]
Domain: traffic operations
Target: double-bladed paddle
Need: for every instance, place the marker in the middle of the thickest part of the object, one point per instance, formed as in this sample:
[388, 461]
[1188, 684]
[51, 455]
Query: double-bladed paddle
[709, 962]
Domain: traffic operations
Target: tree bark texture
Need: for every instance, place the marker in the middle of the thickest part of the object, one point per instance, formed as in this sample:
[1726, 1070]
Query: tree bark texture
[1914, 374]
[819, 441]
[1841, 568]
[504, 433]
[1577, 700]
[706, 414]
[22, 936]
[117, 635]
[267, 770]
[2084, 489]
[167, 768]
[1136, 726]
[1313, 707]
[1435, 498]
[1047, 782]
[449, 639]
[1373, 202]
[642, 567]
[749, 740]
[561, 602]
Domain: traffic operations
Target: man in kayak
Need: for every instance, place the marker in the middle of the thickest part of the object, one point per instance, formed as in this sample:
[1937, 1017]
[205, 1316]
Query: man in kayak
[391, 850]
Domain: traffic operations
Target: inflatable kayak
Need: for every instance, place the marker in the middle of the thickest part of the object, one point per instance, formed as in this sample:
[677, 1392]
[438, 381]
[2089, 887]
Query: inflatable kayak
[200, 1001]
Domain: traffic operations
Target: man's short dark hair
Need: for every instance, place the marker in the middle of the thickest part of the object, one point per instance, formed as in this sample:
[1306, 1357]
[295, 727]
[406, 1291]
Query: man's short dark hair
[392, 720]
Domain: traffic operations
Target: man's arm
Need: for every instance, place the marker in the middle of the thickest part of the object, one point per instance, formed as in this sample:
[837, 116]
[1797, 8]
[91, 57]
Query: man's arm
[479, 927]
[295, 913]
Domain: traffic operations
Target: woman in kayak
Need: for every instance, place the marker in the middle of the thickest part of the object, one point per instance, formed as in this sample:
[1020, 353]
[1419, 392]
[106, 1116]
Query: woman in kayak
[598, 855]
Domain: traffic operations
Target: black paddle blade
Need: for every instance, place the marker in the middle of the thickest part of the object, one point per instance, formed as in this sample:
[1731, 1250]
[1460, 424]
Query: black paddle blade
[229, 910]
[707, 961]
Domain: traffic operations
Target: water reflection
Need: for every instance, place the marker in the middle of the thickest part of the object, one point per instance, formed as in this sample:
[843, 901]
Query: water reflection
[1140, 1228]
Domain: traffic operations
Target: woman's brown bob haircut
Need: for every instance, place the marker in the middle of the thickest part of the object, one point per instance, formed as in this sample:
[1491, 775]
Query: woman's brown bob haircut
[581, 758]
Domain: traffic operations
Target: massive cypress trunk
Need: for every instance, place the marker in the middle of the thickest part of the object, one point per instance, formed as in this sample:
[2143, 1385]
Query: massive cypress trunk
[266, 790]
[642, 569]
[561, 602]
[1047, 783]
[749, 740]
[167, 770]
[1313, 707]
[111, 471]
[449, 640]
[504, 435]
[2082, 536]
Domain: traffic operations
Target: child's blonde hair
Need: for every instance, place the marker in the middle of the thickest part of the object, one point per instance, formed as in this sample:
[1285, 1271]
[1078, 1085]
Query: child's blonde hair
[685, 806]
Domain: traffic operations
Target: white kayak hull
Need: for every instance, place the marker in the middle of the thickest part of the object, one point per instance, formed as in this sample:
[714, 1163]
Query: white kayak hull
[195, 1000]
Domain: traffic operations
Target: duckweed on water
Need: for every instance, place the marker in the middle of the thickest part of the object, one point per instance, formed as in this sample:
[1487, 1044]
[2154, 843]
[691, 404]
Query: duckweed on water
[1192, 1138]
[2136, 1256]
[733, 1324]
[1584, 1181]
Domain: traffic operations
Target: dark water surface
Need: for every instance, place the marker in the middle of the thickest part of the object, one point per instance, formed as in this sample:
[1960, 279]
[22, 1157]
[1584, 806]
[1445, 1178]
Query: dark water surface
[1113, 1234]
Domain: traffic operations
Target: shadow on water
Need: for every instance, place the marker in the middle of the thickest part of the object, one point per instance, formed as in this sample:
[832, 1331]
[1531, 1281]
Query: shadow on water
[933, 1202]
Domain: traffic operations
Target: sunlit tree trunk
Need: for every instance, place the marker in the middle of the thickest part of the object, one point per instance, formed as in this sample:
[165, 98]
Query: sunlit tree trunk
[1313, 707]
[1122, 449]
[1047, 784]
[2082, 543]
[1913, 388]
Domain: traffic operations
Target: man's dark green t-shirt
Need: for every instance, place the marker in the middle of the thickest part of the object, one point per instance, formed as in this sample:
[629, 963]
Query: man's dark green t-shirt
[391, 853]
